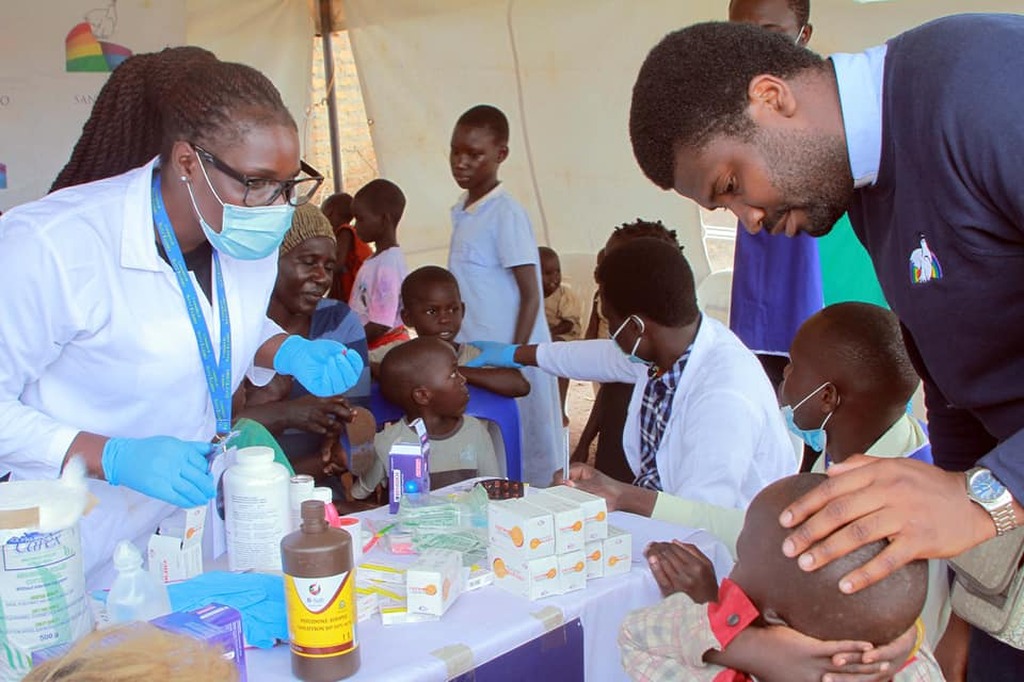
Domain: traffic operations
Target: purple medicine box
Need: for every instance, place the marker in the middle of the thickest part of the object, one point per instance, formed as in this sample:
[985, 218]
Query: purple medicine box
[220, 626]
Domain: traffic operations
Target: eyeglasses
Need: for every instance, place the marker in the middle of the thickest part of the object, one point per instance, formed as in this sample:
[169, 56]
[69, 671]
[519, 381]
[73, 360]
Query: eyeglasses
[264, 191]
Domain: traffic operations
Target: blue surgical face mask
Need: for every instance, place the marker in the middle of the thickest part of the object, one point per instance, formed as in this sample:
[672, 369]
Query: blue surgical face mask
[631, 355]
[815, 438]
[246, 232]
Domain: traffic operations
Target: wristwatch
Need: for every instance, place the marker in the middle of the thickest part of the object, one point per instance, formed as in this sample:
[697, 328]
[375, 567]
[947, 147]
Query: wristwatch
[985, 489]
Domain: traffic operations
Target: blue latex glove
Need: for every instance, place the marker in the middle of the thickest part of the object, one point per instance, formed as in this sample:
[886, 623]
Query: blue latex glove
[494, 354]
[258, 597]
[169, 469]
[324, 367]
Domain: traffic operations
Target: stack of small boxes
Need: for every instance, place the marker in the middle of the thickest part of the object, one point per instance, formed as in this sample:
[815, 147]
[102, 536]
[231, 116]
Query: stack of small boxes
[552, 541]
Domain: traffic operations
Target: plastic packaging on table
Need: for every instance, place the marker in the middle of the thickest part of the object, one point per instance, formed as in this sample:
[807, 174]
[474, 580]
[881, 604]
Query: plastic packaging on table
[135, 594]
[43, 601]
[466, 509]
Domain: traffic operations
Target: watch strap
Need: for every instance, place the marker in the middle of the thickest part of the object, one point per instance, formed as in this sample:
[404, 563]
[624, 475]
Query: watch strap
[1004, 518]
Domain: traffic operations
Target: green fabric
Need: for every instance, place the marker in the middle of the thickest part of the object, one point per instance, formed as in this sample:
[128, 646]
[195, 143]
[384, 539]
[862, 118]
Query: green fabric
[847, 273]
[253, 433]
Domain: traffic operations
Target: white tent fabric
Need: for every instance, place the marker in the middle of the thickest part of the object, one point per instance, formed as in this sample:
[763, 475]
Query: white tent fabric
[43, 105]
[562, 72]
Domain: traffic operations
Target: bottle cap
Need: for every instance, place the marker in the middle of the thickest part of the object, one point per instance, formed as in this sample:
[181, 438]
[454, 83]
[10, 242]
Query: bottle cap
[313, 513]
[127, 556]
[256, 454]
[323, 494]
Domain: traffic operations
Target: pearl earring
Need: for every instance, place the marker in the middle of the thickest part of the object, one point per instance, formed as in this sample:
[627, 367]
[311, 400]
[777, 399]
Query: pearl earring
[184, 178]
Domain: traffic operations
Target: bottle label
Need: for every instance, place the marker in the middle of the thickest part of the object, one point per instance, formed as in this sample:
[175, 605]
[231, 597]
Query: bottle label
[321, 614]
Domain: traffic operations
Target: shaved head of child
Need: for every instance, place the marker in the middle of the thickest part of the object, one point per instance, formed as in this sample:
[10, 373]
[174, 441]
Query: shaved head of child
[810, 602]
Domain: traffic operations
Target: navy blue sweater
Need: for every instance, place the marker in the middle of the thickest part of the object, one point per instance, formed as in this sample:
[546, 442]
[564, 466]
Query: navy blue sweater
[951, 185]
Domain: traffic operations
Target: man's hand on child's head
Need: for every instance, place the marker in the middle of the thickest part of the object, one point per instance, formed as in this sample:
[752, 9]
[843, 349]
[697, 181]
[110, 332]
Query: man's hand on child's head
[922, 510]
[681, 567]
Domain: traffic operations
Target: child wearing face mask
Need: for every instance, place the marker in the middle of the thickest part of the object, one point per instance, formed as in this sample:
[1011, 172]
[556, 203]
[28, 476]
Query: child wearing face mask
[845, 392]
[846, 387]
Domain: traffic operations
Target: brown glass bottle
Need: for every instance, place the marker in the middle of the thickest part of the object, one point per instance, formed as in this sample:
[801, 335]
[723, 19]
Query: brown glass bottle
[320, 598]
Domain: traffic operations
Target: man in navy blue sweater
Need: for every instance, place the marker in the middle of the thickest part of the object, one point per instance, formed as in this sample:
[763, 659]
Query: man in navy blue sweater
[921, 140]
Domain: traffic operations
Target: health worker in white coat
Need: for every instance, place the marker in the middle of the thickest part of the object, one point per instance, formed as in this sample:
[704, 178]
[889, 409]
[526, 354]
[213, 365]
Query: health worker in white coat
[135, 304]
[703, 432]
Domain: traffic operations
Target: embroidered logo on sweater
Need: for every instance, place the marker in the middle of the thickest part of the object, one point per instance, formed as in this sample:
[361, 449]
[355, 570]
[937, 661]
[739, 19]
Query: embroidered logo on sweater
[924, 264]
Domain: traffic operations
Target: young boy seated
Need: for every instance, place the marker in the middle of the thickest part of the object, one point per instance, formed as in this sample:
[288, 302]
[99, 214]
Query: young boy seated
[422, 377]
[846, 387]
[706, 630]
[432, 305]
[377, 208]
[561, 310]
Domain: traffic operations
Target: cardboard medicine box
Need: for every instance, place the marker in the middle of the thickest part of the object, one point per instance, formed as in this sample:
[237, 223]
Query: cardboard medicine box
[216, 625]
[593, 552]
[618, 552]
[572, 570]
[530, 578]
[568, 520]
[175, 553]
[434, 581]
[523, 530]
[595, 510]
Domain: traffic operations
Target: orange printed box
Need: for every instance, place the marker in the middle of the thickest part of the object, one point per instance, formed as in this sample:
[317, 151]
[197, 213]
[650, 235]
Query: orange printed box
[530, 578]
[595, 510]
[568, 519]
[434, 581]
[523, 530]
[572, 569]
[618, 552]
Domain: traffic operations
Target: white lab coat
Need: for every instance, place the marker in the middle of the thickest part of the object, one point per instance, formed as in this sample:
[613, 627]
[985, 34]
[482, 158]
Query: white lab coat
[94, 336]
[725, 439]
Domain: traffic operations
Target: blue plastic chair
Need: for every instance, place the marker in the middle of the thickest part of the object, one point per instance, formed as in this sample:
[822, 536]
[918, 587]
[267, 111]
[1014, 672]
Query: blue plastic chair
[483, 404]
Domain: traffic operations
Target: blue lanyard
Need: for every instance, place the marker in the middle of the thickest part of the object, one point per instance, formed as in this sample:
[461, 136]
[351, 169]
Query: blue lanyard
[218, 374]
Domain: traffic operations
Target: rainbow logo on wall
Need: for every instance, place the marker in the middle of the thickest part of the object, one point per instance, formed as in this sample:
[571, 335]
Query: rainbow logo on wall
[84, 52]
[3, 176]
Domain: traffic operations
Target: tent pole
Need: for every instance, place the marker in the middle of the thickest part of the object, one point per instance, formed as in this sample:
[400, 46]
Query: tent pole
[332, 109]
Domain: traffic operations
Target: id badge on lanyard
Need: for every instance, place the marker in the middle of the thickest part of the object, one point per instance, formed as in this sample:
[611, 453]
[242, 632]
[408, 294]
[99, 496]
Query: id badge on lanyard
[216, 368]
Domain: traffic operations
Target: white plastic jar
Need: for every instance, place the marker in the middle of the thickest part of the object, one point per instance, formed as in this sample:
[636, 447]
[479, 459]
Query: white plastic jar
[256, 510]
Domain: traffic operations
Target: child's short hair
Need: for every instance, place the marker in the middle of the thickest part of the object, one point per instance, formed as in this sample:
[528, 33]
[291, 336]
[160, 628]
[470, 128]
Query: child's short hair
[489, 117]
[862, 347]
[649, 276]
[402, 367]
[338, 209]
[382, 196]
[810, 601]
[646, 228]
[419, 279]
[547, 252]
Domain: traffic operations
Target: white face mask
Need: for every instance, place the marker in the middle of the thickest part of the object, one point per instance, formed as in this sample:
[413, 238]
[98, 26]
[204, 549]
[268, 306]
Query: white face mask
[631, 355]
[246, 232]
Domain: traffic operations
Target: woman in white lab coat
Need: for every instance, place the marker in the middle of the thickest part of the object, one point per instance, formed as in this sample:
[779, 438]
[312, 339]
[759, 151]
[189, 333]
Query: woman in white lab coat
[135, 304]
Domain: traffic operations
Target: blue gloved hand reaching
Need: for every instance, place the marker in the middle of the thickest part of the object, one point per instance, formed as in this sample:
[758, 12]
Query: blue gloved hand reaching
[324, 367]
[169, 469]
[494, 354]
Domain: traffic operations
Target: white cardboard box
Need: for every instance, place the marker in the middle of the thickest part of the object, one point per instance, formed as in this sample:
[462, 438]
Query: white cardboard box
[572, 570]
[594, 552]
[176, 552]
[523, 530]
[567, 517]
[595, 510]
[618, 552]
[532, 578]
[434, 581]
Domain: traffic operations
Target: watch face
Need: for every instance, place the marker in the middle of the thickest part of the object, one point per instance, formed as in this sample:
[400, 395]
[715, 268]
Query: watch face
[985, 487]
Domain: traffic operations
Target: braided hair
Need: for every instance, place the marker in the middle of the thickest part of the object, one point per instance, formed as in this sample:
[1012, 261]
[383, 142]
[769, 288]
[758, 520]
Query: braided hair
[124, 130]
[152, 100]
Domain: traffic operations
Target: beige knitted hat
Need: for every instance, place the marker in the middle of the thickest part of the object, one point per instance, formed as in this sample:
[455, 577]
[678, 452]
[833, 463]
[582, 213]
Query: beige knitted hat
[307, 223]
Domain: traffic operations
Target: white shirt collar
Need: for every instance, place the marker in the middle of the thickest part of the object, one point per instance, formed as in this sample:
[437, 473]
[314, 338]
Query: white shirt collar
[859, 77]
[475, 206]
[138, 240]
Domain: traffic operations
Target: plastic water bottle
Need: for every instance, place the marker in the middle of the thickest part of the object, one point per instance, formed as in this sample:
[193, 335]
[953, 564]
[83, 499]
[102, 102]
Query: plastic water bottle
[135, 594]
